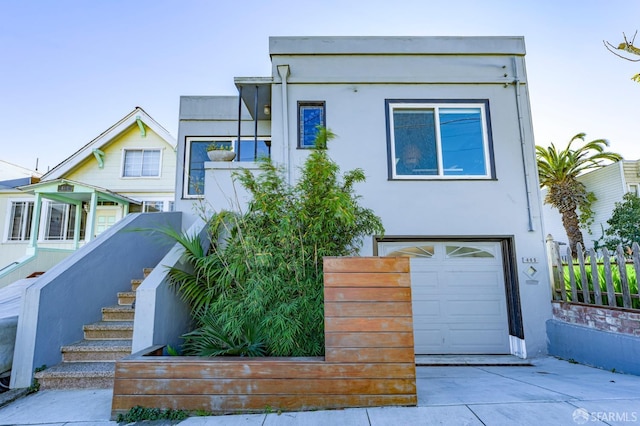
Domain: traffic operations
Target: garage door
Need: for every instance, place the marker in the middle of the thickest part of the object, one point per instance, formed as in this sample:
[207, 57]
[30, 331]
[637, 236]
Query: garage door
[458, 294]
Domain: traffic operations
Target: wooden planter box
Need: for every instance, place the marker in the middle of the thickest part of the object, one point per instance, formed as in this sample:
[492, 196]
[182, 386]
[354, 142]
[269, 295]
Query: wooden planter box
[369, 357]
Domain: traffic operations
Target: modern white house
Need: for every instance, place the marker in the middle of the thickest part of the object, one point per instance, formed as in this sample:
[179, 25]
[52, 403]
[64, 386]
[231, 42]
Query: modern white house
[608, 184]
[130, 167]
[464, 205]
[441, 127]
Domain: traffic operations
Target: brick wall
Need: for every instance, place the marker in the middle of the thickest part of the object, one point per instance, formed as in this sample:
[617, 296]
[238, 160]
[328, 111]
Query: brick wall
[616, 320]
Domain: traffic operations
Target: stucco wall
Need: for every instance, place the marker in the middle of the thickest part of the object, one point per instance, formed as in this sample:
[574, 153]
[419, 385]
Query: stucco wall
[355, 85]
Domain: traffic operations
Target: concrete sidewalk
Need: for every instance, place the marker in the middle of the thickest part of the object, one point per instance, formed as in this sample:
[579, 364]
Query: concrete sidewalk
[551, 392]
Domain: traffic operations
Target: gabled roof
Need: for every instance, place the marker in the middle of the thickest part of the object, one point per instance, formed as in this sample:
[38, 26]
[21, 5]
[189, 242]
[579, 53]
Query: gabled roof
[106, 137]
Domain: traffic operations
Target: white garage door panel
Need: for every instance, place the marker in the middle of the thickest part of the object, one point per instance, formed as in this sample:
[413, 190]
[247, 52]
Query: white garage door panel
[478, 340]
[477, 281]
[491, 311]
[429, 311]
[458, 296]
[428, 338]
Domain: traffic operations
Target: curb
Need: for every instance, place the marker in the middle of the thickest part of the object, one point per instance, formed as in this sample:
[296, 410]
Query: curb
[11, 395]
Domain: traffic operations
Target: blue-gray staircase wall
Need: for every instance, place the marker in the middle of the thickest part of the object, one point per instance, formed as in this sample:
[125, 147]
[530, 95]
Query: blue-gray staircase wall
[71, 294]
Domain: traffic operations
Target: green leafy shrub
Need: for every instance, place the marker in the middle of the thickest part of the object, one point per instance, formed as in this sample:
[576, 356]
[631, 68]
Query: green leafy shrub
[35, 384]
[259, 290]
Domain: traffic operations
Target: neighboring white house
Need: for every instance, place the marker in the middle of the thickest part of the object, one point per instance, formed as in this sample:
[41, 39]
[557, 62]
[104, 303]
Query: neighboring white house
[11, 177]
[465, 206]
[129, 167]
[608, 184]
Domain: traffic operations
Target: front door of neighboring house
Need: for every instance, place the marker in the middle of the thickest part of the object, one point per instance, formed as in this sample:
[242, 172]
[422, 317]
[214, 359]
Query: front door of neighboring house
[106, 217]
[458, 296]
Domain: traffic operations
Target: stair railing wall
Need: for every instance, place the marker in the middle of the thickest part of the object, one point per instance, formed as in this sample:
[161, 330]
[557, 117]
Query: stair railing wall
[161, 315]
[57, 304]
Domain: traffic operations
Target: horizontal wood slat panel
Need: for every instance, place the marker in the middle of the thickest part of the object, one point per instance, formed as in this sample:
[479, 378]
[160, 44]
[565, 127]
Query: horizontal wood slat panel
[370, 355]
[369, 340]
[367, 294]
[366, 279]
[366, 264]
[257, 370]
[367, 309]
[292, 386]
[375, 324]
[258, 403]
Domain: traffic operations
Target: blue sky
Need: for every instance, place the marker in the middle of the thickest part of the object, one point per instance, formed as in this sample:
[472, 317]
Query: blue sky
[69, 69]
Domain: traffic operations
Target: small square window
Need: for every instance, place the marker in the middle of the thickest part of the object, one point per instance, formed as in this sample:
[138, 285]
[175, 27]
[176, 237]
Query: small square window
[141, 163]
[311, 115]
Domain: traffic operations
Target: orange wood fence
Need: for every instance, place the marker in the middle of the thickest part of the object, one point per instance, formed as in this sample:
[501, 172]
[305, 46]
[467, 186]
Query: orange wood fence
[369, 356]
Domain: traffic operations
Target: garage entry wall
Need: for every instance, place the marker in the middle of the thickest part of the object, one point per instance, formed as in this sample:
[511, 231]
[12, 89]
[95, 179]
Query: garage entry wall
[464, 295]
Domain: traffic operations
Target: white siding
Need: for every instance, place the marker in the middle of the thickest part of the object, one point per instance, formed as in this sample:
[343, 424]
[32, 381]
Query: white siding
[110, 176]
[608, 186]
[631, 172]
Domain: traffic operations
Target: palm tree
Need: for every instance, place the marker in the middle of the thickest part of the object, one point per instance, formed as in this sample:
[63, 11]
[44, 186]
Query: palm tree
[558, 172]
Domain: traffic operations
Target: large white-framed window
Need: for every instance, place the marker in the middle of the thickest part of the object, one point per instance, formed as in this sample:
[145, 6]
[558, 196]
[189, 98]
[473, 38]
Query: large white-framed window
[439, 139]
[196, 156]
[19, 223]
[59, 223]
[141, 162]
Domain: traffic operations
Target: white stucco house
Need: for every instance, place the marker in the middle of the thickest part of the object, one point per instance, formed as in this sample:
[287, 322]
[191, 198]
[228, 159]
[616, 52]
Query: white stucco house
[464, 205]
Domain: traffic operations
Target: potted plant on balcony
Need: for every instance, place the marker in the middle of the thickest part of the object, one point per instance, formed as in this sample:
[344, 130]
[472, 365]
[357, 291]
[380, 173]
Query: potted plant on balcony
[220, 152]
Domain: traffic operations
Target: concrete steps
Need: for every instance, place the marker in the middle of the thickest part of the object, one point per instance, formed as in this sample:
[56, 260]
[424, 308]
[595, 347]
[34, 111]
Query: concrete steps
[126, 297]
[118, 313]
[96, 350]
[90, 363]
[78, 375]
[109, 330]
